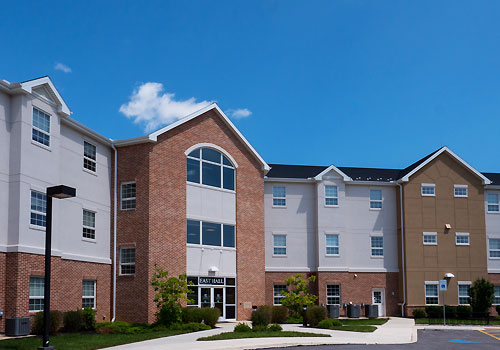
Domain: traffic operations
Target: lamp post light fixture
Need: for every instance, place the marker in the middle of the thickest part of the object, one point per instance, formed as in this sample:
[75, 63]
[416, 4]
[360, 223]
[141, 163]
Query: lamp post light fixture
[59, 192]
[447, 277]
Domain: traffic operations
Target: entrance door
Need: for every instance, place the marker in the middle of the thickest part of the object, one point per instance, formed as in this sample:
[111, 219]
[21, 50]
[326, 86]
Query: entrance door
[206, 297]
[378, 298]
[218, 299]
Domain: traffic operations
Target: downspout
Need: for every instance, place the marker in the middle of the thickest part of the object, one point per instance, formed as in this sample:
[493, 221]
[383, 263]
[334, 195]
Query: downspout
[402, 249]
[115, 170]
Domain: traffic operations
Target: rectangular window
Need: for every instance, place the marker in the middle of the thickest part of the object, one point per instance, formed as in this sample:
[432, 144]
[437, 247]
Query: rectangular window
[228, 236]
[462, 238]
[36, 293]
[89, 156]
[332, 244]
[493, 206]
[460, 190]
[38, 208]
[428, 190]
[279, 196]
[431, 293]
[211, 234]
[331, 196]
[279, 244]
[193, 232]
[277, 296]
[464, 293]
[430, 238]
[375, 199]
[377, 246]
[333, 294]
[41, 127]
[127, 261]
[496, 298]
[88, 293]
[88, 224]
[128, 195]
[211, 173]
[494, 247]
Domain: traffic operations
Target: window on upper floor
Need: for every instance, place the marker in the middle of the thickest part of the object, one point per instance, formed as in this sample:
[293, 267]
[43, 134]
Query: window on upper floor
[376, 199]
[89, 156]
[38, 208]
[36, 293]
[428, 190]
[331, 196]
[88, 224]
[464, 293]
[88, 293]
[462, 238]
[277, 296]
[210, 167]
[460, 191]
[210, 233]
[332, 244]
[127, 261]
[333, 294]
[494, 247]
[431, 293]
[279, 196]
[430, 238]
[127, 193]
[279, 244]
[41, 127]
[496, 297]
[377, 246]
[493, 206]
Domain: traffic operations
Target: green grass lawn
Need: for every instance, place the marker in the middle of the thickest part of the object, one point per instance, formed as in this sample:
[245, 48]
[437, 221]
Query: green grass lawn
[362, 328]
[454, 321]
[83, 341]
[368, 322]
[268, 334]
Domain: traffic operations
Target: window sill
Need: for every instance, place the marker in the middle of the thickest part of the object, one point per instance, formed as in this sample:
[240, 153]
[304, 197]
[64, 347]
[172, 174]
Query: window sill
[222, 189]
[377, 256]
[279, 206]
[493, 258]
[128, 209]
[38, 228]
[376, 209]
[331, 206]
[41, 145]
[332, 255]
[463, 244]
[90, 240]
[126, 275]
[462, 197]
[493, 212]
[430, 244]
[428, 195]
[280, 256]
[211, 247]
[89, 171]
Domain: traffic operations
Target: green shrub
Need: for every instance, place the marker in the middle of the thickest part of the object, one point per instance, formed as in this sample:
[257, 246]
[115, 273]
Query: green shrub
[195, 327]
[275, 328]
[259, 328]
[192, 314]
[120, 327]
[169, 315]
[315, 314]
[482, 293]
[464, 311]
[434, 311]
[279, 314]
[451, 311]
[325, 324]
[294, 319]
[88, 319]
[261, 316]
[336, 323]
[210, 316]
[242, 328]
[55, 322]
[72, 321]
[419, 313]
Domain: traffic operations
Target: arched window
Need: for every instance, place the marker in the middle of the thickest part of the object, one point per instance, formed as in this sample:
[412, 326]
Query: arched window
[210, 167]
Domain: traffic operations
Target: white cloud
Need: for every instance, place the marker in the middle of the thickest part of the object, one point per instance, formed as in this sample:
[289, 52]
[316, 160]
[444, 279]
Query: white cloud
[239, 113]
[152, 107]
[62, 67]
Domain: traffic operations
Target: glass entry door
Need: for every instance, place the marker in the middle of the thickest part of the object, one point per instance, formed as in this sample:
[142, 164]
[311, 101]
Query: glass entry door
[218, 298]
[206, 297]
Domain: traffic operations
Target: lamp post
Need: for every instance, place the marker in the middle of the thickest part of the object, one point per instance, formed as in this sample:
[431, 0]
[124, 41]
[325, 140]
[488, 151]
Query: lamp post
[443, 286]
[59, 192]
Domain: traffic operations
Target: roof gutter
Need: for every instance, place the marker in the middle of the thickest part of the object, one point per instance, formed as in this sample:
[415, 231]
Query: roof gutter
[114, 228]
[402, 249]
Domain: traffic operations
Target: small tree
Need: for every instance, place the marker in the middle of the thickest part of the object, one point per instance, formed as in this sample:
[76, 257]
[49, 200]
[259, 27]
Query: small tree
[297, 295]
[170, 293]
[481, 294]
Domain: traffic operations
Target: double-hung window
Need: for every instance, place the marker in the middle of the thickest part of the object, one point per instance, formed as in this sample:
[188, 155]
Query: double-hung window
[464, 293]
[277, 295]
[493, 206]
[279, 244]
[332, 244]
[38, 208]
[128, 195]
[41, 127]
[89, 156]
[127, 261]
[210, 167]
[333, 294]
[279, 196]
[462, 238]
[376, 199]
[331, 196]
[460, 191]
[430, 238]
[377, 246]
[36, 293]
[494, 247]
[88, 293]
[496, 296]
[88, 224]
[428, 190]
[431, 293]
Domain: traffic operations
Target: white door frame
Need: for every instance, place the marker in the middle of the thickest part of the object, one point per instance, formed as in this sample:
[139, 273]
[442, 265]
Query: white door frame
[381, 306]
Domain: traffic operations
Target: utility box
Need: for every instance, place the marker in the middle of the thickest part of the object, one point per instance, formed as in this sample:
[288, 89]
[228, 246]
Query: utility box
[353, 310]
[371, 311]
[334, 311]
[15, 327]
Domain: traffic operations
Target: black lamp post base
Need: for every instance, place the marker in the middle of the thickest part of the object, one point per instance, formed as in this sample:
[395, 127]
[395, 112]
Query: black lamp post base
[45, 348]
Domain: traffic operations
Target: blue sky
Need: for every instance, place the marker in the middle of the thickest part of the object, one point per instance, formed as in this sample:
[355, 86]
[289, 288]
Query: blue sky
[353, 83]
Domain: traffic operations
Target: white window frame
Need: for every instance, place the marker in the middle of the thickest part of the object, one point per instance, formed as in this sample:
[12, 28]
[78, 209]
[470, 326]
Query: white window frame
[496, 295]
[462, 234]
[38, 227]
[93, 297]
[123, 200]
[497, 203]
[429, 234]
[455, 187]
[278, 296]
[332, 246]
[493, 250]
[88, 227]
[88, 159]
[280, 246]
[436, 283]
[128, 263]
[279, 198]
[332, 197]
[377, 200]
[221, 165]
[36, 297]
[221, 246]
[329, 297]
[463, 283]
[40, 130]
[376, 248]
[433, 186]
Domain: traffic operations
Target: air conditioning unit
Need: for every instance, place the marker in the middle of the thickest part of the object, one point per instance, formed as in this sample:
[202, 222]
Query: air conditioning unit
[15, 327]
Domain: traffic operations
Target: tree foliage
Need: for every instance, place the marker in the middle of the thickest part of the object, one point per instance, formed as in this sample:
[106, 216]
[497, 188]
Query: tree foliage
[481, 294]
[297, 294]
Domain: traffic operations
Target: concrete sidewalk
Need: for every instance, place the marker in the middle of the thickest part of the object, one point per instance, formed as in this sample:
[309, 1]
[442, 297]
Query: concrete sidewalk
[394, 331]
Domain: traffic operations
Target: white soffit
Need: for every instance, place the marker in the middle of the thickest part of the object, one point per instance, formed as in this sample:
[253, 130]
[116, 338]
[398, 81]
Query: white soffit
[29, 85]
